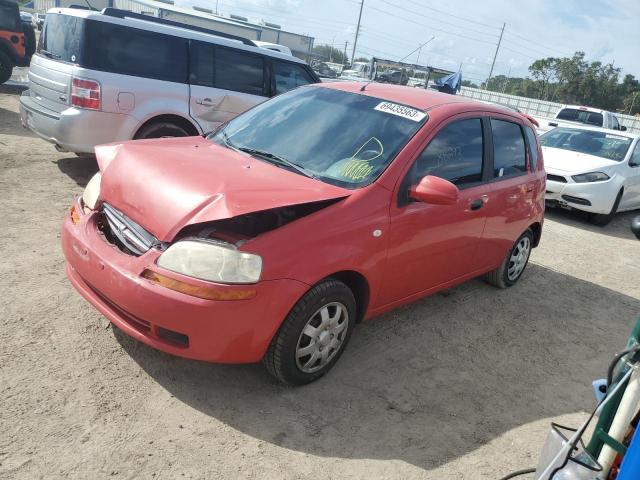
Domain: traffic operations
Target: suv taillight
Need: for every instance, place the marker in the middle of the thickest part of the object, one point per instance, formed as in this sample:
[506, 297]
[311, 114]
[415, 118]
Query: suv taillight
[85, 93]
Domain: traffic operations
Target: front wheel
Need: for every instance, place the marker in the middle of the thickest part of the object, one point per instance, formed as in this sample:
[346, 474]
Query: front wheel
[603, 219]
[6, 68]
[314, 334]
[512, 267]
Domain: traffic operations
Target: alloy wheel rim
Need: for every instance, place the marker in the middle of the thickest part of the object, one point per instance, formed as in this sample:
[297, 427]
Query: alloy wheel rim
[322, 337]
[519, 258]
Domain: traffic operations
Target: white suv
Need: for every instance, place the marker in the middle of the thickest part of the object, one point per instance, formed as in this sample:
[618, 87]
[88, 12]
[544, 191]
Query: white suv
[109, 76]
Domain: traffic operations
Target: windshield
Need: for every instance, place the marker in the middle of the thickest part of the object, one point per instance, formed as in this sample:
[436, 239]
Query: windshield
[600, 144]
[338, 137]
[580, 116]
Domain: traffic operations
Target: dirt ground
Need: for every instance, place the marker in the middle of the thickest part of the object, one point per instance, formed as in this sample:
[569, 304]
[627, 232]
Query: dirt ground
[461, 385]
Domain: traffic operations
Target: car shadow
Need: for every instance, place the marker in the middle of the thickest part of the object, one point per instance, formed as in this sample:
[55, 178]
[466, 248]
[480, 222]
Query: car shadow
[79, 169]
[619, 226]
[429, 382]
[10, 124]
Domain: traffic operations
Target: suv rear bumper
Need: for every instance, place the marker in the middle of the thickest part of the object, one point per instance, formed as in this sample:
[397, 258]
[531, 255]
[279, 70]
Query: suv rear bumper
[75, 129]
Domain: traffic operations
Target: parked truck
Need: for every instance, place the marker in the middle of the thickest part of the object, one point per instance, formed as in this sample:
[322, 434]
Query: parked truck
[570, 115]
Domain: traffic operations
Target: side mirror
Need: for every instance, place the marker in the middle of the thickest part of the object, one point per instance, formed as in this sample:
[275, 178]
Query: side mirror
[635, 227]
[434, 190]
[623, 128]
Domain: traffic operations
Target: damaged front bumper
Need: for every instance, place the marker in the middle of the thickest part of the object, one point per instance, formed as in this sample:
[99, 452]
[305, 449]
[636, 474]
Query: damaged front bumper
[222, 331]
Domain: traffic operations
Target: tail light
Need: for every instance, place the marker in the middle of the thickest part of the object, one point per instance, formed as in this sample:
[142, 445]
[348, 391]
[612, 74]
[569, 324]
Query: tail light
[85, 93]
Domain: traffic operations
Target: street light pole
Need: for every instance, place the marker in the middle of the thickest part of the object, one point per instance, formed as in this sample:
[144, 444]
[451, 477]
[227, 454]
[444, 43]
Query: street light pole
[355, 43]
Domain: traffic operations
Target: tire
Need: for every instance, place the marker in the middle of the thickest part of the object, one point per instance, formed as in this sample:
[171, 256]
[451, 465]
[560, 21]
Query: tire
[6, 67]
[290, 357]
[511, 269]
[603, 219]
[161, 130]
[29, 40]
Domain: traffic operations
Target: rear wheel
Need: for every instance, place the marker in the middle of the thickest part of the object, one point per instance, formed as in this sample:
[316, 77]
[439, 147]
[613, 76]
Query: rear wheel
[314, 334]
[161, 130]
[6, 67]
[512, 267]
[602, 219]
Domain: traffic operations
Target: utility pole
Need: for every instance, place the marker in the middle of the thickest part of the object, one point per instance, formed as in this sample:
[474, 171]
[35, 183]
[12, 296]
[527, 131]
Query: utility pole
[495, 56]
[217, 7]
[344, 58]
[355, 43]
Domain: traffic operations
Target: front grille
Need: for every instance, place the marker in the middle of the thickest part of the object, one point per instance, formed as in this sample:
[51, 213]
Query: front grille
[556, 178]
[127, 233]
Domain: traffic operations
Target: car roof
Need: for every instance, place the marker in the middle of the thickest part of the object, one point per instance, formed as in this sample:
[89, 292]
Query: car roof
[183, 32]
[420, 98]
[619, 133]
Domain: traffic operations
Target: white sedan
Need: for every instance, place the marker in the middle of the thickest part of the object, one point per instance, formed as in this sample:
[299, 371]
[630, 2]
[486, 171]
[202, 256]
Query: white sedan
[592, 169]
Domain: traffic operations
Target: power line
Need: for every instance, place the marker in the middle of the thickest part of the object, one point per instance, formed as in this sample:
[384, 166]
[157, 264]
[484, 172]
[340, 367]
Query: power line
[439, 21]
[452, 15]
[429, 26]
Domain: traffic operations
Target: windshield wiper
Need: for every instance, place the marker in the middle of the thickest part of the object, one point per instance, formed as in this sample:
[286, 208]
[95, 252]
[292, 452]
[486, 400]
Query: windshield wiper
[50, 54]
[275, 158]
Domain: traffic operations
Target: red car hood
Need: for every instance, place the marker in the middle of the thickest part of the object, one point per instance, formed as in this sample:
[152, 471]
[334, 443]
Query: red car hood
[164, 185]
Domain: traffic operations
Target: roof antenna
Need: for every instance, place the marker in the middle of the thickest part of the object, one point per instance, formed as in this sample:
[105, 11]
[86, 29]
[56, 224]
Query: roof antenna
[364, 87]
[90, 6]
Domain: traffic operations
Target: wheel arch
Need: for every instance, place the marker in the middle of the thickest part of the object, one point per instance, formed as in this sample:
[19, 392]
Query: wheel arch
[536, 229]
[358, 285]
[169, 118]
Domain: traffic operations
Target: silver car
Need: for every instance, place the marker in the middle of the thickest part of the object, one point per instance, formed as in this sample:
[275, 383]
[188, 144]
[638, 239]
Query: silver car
[109, 76]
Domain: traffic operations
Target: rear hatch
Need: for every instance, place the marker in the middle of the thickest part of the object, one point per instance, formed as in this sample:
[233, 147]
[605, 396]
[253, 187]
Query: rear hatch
[59, 50]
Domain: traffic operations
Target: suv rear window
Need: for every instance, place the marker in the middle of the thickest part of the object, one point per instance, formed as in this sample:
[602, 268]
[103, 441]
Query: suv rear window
[580, 116]
[9, 18]
[62, 38]
[132, 51]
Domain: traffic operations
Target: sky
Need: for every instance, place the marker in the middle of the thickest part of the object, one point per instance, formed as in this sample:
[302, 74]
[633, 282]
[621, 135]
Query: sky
[466, 32]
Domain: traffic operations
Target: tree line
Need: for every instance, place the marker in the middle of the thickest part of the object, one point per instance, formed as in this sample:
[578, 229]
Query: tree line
[572, 80]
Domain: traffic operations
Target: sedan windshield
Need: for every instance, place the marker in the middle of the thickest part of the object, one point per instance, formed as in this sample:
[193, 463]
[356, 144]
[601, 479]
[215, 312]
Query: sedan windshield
[338, 137]
[599, 144]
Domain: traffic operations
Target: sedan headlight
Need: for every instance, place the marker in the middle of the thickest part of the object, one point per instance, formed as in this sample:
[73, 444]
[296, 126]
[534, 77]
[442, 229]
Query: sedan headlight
[590, 177]
[211, 260]
[92, 192]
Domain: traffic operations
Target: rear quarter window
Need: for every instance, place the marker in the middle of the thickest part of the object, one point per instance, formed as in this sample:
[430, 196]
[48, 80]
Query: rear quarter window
[533, 147]
[131, 51]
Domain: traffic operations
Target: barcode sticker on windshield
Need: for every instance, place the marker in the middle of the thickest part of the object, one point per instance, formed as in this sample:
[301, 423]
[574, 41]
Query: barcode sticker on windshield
[401, 111]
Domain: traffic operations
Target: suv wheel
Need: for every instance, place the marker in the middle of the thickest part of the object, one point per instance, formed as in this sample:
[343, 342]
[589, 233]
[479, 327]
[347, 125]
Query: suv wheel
[161, 130]
[314, 334]
[513, 265]
[6, 68]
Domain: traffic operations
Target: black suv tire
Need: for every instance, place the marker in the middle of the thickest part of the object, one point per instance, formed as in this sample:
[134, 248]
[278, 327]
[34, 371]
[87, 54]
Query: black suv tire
[6, 67]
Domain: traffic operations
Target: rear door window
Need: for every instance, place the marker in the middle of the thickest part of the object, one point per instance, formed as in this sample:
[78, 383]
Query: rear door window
[202, 64]
[509, 158]
[239, 71]
[289, 76]
[62, 38]
[131, 51]
[455, 154]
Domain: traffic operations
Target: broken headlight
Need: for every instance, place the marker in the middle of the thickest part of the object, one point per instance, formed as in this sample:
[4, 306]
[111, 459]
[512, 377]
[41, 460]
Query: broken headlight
[212, 261]
[92, 192]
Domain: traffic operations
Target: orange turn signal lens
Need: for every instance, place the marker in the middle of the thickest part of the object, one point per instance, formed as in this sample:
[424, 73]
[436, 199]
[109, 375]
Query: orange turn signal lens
[75, 216]
[206, 292]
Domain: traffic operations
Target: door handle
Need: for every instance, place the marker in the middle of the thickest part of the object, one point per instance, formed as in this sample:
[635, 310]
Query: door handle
[205, 102]
[476, 204]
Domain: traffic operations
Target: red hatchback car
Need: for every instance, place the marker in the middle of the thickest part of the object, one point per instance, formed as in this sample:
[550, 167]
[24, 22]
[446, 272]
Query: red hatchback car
[273, 236]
